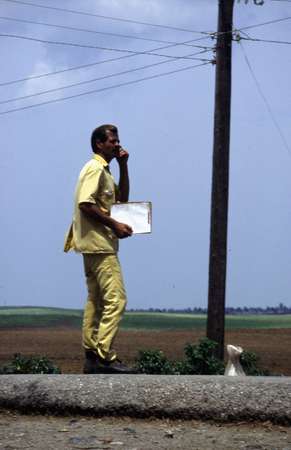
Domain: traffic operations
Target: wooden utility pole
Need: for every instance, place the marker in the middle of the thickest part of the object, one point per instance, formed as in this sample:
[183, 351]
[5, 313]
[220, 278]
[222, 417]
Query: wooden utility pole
[220, 178]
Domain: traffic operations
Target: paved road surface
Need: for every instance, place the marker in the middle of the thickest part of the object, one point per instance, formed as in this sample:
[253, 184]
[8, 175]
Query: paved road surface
[70, 433]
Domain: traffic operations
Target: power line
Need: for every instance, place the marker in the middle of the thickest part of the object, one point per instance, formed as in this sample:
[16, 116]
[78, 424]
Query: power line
[256, 25]
[73, 11]
[98, 62]
[270, 22]
[33, 77]
[265, 40]
[80, 83]
[275, 122]
[188, 42]
[74, 44]
[56, 72]
[96, 47]
[83, 13]
[86, 30]
[102, 89]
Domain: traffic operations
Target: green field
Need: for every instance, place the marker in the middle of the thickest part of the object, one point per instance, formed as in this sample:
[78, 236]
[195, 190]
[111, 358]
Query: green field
[19, 317]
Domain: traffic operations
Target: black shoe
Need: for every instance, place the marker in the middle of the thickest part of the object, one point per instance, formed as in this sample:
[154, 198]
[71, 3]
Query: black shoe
[117, 366]
[91, 363]
[95, 364]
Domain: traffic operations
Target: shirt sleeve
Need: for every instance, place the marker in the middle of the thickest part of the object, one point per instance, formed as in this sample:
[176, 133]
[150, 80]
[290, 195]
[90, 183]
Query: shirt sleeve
[89, 186]
[69, 240]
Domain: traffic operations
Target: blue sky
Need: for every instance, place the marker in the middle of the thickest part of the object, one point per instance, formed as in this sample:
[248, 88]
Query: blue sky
[166, 124]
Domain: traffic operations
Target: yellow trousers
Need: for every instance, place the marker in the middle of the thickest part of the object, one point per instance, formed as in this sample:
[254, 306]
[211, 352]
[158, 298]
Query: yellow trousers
[105, 304]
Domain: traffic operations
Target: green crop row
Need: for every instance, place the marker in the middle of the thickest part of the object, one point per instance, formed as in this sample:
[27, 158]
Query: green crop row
[50, 317]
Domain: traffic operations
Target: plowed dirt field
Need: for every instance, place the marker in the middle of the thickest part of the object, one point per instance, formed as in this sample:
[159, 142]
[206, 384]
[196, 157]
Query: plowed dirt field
[63, 345]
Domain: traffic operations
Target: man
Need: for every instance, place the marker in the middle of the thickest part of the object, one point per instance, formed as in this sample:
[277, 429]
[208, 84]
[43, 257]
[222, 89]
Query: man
[95, 234]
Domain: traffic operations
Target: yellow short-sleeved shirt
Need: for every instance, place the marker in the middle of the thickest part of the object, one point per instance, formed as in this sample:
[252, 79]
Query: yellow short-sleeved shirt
[95, 185]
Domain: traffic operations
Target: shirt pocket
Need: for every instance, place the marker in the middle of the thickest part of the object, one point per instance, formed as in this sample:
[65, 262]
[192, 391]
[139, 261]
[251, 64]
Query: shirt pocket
[108, 193]
[108, 197]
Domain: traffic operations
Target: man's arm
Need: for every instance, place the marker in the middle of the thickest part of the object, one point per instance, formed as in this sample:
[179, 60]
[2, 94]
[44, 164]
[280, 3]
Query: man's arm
[123, 185]
[120, 229]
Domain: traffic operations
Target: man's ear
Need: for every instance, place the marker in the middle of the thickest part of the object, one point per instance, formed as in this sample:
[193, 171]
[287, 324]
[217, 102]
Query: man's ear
[98, 144]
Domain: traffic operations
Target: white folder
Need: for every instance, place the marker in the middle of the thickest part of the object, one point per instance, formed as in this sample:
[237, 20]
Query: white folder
[138, 215]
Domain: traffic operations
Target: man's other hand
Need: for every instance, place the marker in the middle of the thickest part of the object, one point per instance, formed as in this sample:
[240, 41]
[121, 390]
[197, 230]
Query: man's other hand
[122, 230]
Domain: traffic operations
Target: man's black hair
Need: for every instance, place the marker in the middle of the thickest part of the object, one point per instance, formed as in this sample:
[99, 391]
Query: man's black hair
[100, 134]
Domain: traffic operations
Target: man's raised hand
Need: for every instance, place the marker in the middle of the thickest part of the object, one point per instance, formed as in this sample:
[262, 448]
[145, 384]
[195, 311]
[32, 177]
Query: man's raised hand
[123, 156]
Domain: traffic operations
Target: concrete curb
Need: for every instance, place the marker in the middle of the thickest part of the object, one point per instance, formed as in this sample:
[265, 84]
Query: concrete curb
[218, 398]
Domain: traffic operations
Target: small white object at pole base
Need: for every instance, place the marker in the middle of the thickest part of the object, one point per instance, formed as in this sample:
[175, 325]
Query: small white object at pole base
[233, 367]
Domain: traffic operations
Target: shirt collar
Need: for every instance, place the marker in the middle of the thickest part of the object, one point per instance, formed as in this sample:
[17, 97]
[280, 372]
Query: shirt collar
[100, 159]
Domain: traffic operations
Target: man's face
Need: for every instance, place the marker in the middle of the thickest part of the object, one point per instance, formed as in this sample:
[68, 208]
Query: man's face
[110, 148]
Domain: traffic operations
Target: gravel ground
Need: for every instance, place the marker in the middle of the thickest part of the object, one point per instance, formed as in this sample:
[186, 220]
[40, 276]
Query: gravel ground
[65, 433]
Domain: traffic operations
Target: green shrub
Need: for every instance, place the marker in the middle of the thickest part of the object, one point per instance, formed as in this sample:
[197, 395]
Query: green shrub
[153, 362]
[249, 362]
[201, 359]
[29, 364]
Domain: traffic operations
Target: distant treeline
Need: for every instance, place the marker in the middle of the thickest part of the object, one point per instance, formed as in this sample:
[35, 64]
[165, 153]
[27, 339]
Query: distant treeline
[280, 309]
